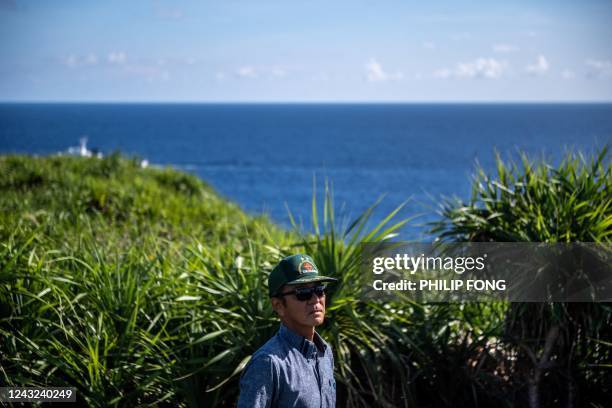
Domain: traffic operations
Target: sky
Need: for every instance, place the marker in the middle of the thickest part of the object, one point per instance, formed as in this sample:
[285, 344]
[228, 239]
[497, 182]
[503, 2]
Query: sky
[305, 51]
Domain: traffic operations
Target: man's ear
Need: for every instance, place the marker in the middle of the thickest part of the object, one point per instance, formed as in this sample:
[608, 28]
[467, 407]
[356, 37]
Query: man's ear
[278, 306]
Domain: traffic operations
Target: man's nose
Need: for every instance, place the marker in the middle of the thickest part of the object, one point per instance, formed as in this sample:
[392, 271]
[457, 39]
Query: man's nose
[314, 299]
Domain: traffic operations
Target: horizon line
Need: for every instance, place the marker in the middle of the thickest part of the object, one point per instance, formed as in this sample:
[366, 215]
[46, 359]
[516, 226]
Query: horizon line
[296, 102]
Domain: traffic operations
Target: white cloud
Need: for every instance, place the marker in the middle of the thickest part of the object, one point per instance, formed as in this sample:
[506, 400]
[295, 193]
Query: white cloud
[92, 59]
[505, 48]
[150, 70]
[443, 73]
[599, 69]
[246, 71]
[568, 74]
[488, 68]
[269, 72]
[376, 73]
[74, 61]
[71, 61]
[118, 63]
[539, 68]
[117, 57]
[481, 68]
[278, 72]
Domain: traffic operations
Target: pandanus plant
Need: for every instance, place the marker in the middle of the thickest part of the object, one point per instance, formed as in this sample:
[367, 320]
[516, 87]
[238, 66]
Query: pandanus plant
[556, 348]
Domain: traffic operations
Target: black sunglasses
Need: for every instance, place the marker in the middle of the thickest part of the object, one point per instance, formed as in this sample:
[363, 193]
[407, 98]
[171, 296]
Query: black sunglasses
[304, 294]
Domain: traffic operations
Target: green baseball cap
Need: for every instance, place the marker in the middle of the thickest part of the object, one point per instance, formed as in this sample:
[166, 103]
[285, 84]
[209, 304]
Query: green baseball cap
[293, 270]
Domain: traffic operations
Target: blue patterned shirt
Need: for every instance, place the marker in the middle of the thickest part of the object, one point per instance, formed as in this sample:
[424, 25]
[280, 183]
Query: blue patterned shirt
[289, 371]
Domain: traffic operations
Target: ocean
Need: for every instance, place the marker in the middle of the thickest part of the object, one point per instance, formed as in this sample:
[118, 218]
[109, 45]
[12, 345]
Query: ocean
[268, 157]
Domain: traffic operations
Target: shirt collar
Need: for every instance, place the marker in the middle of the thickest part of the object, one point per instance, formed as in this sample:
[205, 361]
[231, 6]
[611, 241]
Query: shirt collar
[305, 346]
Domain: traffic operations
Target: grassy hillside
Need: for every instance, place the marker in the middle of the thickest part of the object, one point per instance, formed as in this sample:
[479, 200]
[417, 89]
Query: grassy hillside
[144, 287]
[108, 275]
[139, 286]
[68, 192]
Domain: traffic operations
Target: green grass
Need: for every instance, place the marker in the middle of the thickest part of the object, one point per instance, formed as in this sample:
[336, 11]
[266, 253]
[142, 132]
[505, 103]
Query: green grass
[144, 287]
[556, 348]
[112, 279]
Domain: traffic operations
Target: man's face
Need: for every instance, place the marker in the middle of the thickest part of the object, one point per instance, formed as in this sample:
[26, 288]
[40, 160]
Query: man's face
[307, 313]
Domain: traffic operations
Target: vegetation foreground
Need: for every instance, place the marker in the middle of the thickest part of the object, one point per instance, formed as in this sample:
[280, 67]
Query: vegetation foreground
[144, 287]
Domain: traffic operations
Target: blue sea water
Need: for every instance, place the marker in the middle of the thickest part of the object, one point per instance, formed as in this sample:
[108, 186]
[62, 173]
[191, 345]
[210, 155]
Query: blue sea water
[266, 156]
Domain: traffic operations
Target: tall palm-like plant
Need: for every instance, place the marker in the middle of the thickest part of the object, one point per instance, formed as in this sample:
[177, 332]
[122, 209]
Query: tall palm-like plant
[556, 344]
[364, 334]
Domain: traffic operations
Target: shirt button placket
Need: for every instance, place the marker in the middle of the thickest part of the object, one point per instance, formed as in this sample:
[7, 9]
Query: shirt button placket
[318, 375]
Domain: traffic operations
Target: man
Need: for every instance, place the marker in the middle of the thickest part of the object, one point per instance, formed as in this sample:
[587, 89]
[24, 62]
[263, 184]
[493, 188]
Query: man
[295, 368]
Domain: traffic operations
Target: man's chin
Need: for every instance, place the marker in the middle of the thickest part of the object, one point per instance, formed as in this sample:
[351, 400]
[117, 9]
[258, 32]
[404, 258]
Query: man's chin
[317, 319]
